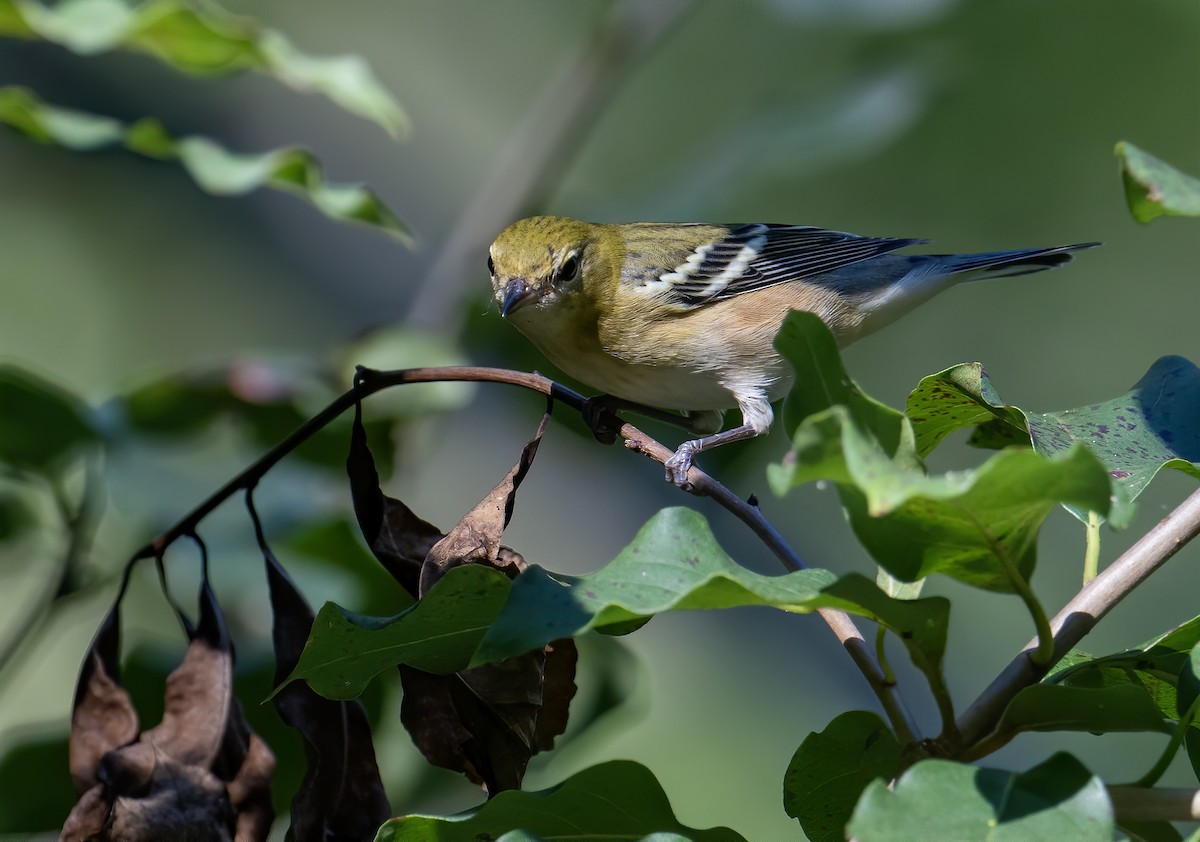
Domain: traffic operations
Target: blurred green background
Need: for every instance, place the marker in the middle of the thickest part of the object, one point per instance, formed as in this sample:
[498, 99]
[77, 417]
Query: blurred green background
[979, 125]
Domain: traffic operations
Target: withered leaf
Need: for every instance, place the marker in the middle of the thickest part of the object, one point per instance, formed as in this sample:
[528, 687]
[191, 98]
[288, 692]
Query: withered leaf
[200, 774]
[103, 717]
[341, 796]
[486, 722]
[395, 535]
[476, 538]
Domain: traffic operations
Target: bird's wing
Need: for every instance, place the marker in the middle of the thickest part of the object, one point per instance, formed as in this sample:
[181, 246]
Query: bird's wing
[758, 255]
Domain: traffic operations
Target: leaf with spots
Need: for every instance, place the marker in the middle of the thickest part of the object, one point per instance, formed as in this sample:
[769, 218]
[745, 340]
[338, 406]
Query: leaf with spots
[978, 526]
[1155, 425]
[831, 768]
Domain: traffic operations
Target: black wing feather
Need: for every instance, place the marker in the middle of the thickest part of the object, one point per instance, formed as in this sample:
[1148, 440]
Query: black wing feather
[783, 253]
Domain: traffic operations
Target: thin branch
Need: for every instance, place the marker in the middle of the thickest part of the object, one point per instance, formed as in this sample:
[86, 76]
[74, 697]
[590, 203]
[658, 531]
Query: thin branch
[701, 484]
[1140, 804]
[1081, 614]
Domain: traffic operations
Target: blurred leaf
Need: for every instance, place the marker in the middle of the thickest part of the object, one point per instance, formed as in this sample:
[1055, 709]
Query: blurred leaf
[214, 169]
[40, 424]
[1155, 425]
[268, 398]
[335, 542]
[203, 40]
[831, 768]
[940, 799]
[674, 563]
[402, 347]
[438, 634]
[1056, 707]
[1154, 188]
[16, 517]
[37, 789]
[619, 799]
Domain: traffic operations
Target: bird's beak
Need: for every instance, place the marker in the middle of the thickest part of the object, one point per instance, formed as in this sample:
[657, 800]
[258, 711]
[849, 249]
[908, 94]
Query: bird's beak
[516, 294]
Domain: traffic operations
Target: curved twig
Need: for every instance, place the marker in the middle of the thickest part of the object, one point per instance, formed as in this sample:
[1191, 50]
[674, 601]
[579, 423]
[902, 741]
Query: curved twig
[701, 484]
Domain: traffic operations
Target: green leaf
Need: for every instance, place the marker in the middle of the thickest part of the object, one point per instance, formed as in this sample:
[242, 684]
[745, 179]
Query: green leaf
[1154, 188]
[438, 634]
[40, 424]
[215, 169]
[1056, 707]
[204, 40]
[980, 527]
[673, 564]
[619, 799]
[1155, 425]
[1154, 667]
[831, 768]
[939, 799]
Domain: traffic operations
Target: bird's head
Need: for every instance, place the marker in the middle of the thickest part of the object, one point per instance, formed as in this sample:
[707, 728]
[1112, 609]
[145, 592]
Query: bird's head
[541, 260]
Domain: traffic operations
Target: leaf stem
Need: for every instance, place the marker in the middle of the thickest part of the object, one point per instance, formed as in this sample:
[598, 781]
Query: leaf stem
[1091, 555]
[1168, 754]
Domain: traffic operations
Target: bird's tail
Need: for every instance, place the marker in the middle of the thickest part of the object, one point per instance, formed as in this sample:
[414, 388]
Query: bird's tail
[1002, 264]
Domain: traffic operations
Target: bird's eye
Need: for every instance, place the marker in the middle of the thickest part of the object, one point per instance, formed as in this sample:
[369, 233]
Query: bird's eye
[491, 266]
[568, 270]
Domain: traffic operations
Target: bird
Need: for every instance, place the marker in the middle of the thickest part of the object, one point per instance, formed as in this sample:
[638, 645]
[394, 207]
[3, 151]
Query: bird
[683, 316]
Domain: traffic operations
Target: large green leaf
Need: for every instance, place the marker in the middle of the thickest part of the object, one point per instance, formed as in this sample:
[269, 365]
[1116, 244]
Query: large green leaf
[202, 39]
[438, 634]
[982, 528]
[939, 799]
[214, 168]
[1155, 425]
[831, 768]
[40, 424]
[978, 526]
[617, 800]
[1154, 188]
[674, 563]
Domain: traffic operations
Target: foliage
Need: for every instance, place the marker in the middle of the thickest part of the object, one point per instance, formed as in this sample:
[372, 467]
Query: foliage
[489, 648]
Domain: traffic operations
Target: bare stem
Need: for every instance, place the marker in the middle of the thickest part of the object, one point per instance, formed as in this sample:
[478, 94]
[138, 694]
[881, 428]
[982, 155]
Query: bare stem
[1081, 614]
[1142, 804]
[701, 484]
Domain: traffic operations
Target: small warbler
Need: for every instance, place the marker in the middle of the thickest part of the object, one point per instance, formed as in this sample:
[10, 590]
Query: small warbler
[683, 316]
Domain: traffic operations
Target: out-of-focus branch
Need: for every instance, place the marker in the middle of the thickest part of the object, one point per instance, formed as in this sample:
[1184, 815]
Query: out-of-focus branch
[538, 154]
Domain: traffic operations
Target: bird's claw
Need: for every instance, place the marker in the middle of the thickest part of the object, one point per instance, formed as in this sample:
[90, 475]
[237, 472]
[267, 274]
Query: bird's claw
[600, 416]
[680, 463]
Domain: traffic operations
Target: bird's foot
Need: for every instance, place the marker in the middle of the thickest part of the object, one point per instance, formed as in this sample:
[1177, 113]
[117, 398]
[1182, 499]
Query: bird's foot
[680, 463]
[599, 413]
